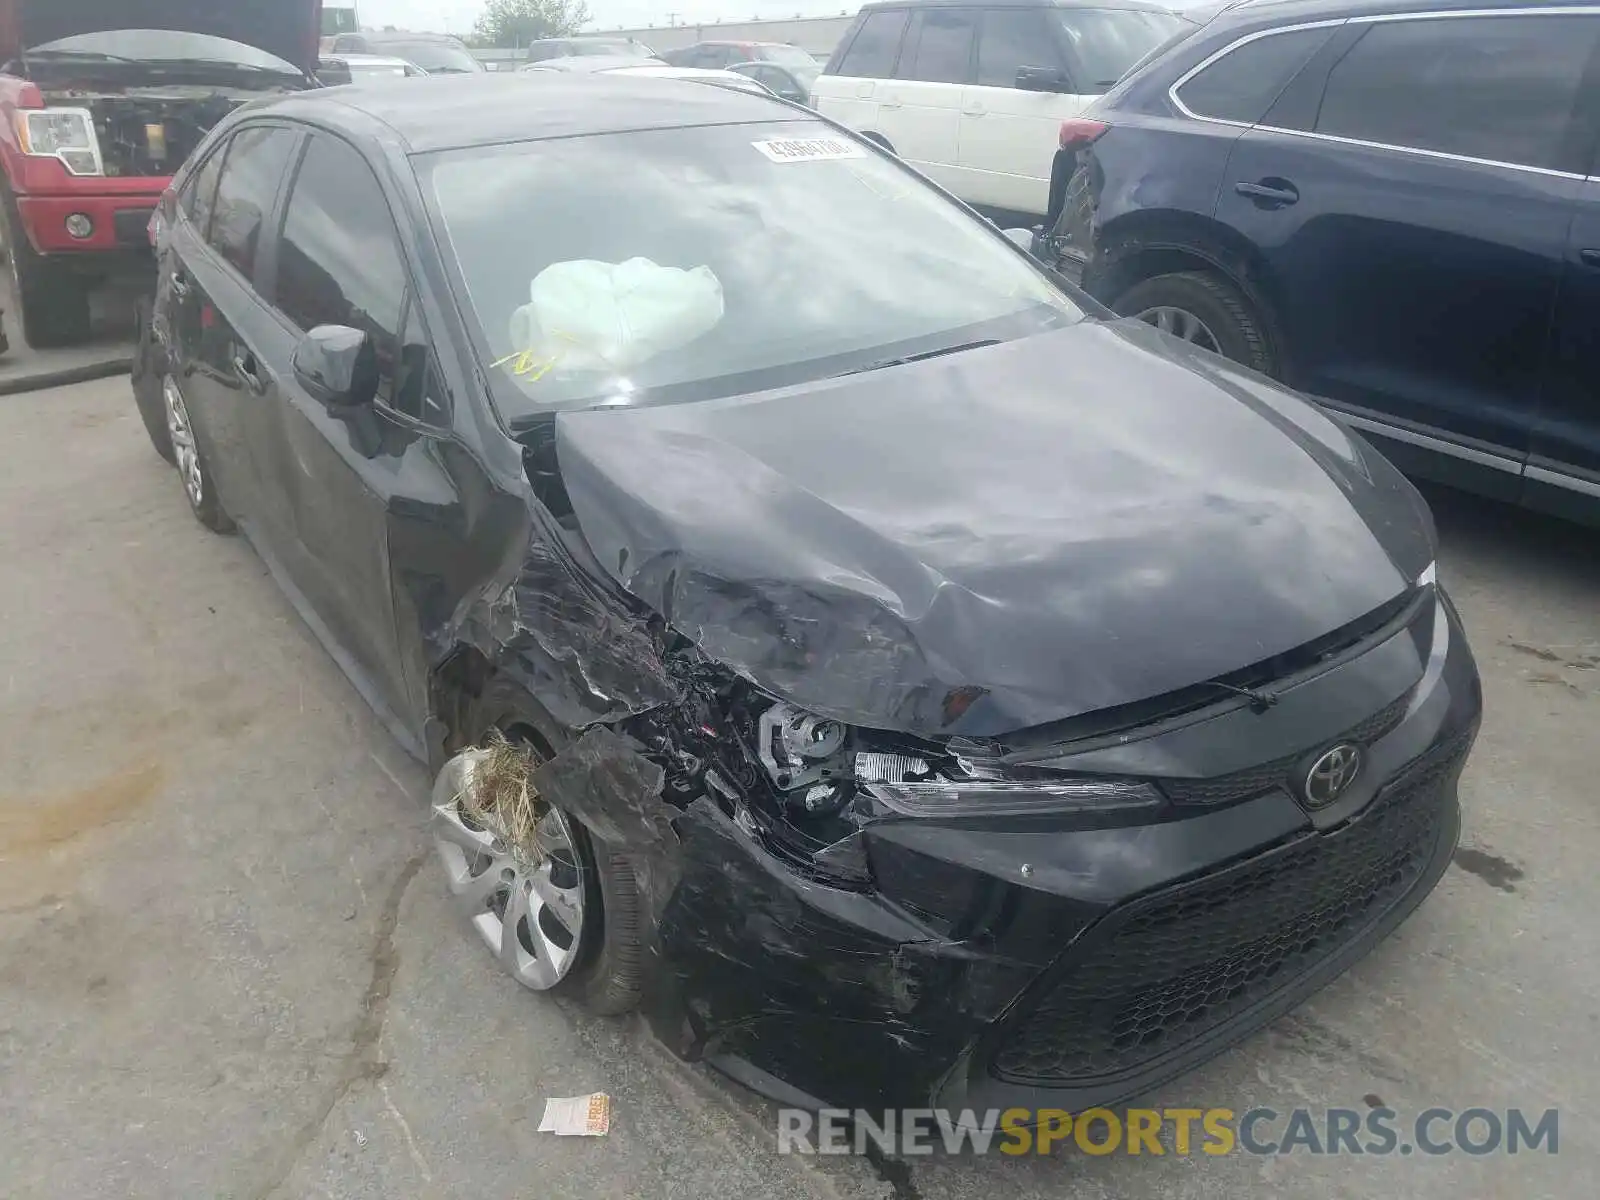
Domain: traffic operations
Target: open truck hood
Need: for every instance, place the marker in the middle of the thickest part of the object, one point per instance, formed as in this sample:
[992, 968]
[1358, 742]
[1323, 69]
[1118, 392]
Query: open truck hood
[1001, 538]
[290, 29]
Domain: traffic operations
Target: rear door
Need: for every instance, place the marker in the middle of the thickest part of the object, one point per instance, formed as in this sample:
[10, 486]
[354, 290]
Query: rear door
[919, 110]
[336, 473]
[1008, 136]
[216, 277]
[1564, 468]
[1411, 193]
[850, 93]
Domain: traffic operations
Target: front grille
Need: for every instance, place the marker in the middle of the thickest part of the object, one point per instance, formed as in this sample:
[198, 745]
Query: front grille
[1253, 781]
[1171, 968]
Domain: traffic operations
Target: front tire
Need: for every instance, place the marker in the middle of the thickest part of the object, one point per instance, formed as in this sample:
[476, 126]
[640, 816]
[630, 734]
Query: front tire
[566, 919]
[52, 302]
[1205, 310]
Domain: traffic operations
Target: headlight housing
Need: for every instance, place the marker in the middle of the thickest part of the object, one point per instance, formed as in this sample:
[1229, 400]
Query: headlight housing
[819, 766]
[914, 786]
[65, 134]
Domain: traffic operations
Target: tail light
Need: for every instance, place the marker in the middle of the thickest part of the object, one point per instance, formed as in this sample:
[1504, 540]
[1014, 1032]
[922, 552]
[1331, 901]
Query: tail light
[1080, 133]
[164, 212]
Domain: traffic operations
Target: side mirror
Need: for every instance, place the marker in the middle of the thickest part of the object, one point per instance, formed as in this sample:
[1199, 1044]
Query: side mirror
[1022, 238]
[337, 366]
[1043, 79]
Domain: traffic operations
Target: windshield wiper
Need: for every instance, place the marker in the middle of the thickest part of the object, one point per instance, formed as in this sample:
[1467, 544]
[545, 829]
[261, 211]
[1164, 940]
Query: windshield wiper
[83, 55]
[219, 64]
[911, 358]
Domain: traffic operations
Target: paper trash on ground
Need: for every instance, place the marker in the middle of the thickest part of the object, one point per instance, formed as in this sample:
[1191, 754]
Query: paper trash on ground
[577, 1116]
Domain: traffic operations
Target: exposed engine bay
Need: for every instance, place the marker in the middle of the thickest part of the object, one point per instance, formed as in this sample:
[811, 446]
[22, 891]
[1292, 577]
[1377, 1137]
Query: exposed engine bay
[151, 131]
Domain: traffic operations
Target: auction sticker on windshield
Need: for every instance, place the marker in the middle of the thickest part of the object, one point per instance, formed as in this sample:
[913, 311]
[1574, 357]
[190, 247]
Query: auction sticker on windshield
[808, 149]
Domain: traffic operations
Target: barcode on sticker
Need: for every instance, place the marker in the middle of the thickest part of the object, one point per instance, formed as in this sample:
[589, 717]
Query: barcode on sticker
[808, 149]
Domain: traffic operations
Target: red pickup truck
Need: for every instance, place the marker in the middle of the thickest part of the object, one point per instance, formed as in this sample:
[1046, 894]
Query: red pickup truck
[100, 103]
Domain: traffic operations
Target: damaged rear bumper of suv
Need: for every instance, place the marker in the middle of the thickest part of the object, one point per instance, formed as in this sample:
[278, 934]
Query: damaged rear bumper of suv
[1053, 962]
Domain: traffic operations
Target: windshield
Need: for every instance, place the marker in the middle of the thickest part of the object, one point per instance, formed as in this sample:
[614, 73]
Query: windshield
[436, 58]
[1104, 43]
[689, 263]
[161, 45]
[790, 56]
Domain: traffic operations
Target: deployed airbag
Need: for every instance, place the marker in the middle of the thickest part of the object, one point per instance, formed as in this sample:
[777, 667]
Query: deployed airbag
[586, 315]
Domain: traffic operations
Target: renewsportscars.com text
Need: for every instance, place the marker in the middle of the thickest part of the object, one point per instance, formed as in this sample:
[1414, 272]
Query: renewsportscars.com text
[1180, 1131]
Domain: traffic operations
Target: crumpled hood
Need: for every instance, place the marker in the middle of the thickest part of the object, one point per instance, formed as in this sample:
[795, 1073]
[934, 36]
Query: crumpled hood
[1000, 538]
[290, 29]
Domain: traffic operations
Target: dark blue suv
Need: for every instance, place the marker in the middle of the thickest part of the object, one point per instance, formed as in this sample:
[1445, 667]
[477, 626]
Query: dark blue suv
[1391, 206]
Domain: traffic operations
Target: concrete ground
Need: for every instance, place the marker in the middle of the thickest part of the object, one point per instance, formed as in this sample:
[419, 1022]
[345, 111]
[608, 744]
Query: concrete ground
[228, 968]
[108, 352]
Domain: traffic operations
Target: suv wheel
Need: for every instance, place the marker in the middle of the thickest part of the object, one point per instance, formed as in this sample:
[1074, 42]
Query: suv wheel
[52, 301]
[1204, 310]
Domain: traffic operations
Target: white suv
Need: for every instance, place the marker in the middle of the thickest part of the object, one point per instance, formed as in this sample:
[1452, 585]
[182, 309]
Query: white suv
[973, 92]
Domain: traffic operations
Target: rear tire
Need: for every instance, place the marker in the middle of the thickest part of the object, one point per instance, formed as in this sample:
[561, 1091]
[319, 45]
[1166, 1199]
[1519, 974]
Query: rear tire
[1229, 320]
[52, 302]
[199, 486]
[148, 372]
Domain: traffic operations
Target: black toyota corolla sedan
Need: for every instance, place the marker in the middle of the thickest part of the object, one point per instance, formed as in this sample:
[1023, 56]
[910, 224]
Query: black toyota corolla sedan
[907, 682]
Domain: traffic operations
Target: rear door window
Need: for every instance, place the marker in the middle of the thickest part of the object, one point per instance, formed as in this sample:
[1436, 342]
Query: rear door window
[199, 197]
[1503, 89]
[258, 159]
[1103, 44]
[1243, 84]
[940, 46]
[877, 43]
[1013, 38]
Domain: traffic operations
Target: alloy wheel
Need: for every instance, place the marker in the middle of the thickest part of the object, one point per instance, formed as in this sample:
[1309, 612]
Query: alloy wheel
[1181, 324]
[183, 445]
[525, 903]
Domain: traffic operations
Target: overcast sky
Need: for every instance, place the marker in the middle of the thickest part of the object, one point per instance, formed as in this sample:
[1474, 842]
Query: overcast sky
[457, 16]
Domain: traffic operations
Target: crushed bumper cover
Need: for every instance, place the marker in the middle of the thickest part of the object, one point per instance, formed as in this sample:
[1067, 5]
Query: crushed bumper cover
[996, 968]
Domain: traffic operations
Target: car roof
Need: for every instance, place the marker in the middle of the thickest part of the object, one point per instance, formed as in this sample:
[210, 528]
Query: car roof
[371, 60]
[400, 35]
[491, 108]
[592, 62]
[1290, 11]
[1136, 5]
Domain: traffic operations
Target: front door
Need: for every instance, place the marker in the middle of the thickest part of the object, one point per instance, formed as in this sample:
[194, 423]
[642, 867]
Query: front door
[336, 472]
[1009, 136]
[1413, 221]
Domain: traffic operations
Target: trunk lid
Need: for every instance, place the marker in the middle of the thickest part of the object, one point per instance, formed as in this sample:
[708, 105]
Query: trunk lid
[289, 29]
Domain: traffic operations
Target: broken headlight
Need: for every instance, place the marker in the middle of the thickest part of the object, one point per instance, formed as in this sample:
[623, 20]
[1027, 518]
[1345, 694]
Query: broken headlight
[821, 765]
[66, 134]
[953, 786]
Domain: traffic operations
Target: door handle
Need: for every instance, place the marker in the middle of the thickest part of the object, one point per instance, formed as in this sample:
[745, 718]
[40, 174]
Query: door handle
[1589, 258]
[889, 104]
[976, 110]
[245, 364]
[1274, 193]
[180, 284]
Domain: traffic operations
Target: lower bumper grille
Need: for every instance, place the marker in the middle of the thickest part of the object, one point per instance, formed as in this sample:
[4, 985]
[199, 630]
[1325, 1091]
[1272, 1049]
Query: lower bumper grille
[1174, 967]
[132, 226]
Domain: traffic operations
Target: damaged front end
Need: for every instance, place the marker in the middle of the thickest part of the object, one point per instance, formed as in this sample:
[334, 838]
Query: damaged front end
[865, 918]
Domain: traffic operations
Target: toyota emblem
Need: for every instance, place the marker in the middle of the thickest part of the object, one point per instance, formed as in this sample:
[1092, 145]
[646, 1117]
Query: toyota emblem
[1331, 775]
